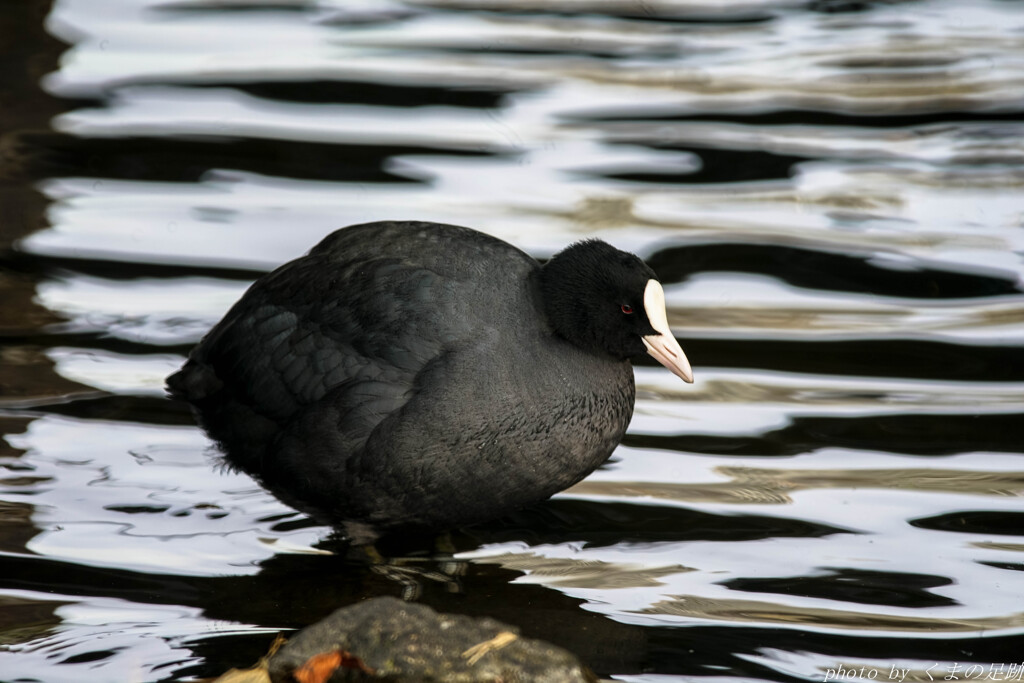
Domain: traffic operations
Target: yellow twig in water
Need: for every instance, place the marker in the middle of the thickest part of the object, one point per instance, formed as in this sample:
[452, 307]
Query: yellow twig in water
[499, 641]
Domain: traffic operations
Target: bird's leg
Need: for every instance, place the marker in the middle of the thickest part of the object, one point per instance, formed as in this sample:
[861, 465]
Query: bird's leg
[401, 571]
[445, 551]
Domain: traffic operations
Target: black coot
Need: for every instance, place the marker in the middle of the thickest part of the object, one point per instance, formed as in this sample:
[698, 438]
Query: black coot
[417, 374]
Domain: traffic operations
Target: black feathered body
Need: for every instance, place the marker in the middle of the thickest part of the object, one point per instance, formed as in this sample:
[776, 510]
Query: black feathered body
[405, 373]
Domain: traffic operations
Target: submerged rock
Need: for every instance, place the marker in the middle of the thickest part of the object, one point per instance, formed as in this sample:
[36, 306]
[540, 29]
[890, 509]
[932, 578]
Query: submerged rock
[385, 639]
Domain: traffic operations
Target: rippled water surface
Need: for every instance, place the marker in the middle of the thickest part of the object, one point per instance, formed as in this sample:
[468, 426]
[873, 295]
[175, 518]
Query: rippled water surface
[831, 190]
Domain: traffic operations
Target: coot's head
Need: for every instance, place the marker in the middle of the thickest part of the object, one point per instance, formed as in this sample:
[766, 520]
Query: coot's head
[606, 300]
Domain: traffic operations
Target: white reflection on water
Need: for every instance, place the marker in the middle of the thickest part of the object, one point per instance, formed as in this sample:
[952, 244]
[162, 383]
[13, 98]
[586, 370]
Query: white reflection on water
[226, 112]
[922, 218]
[115, 372]
[149, 311]
[724, 305]
[876, 544]
[753, 402]
[154, 634]
[201, 520]
[810, 59]
[900, 57]
[964, 143]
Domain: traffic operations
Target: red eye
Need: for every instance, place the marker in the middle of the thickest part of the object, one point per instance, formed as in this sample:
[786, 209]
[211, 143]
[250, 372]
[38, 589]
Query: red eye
[627, 309]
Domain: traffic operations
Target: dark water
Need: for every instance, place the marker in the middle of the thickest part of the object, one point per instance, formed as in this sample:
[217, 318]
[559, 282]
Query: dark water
[832, 191]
